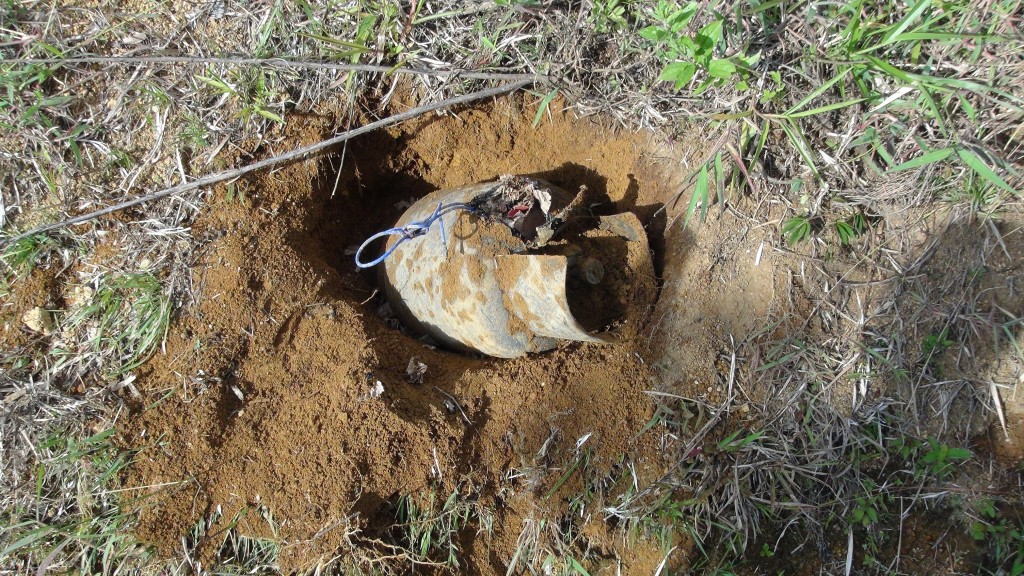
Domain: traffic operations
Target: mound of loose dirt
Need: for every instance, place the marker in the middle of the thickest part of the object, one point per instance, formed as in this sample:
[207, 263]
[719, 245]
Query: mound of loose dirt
[268, 394]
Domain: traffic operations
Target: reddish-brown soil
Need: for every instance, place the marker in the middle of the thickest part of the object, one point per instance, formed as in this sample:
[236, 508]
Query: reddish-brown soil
[263, 397]
[39, 288]
[264, 400]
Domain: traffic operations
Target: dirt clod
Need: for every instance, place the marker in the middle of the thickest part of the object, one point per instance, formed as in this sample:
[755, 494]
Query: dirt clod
[39, 320]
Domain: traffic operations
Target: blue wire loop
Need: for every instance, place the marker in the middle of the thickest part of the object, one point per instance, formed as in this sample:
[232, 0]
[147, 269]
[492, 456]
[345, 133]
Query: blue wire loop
[412, 230]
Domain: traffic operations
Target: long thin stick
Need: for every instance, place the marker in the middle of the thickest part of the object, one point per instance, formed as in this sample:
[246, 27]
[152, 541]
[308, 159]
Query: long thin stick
[286, 157]
[276, 63]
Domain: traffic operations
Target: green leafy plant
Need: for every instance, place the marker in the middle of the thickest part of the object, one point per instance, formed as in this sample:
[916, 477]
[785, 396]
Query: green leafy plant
[775, 90]
[687, 55]
[609, 15]
[851, 228]
[712, 171]
[251, 90]
[901, 52]
[859, 223]
[194, 133]
[933, 344]
[867, 505]
[845, 232]
[940, 460]
[545, 102]
[930, 458]
[1004, 537]
[733, 442]
[796, 229]
[23, 98]
[96, 533]
[567, 566]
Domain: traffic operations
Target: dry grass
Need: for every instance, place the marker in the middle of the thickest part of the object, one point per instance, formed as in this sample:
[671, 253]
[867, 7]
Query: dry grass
[898, 119]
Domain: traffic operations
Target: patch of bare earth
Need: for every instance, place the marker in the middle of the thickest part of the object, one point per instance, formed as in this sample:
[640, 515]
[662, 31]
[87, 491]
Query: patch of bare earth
[265, 396]
[265, 406]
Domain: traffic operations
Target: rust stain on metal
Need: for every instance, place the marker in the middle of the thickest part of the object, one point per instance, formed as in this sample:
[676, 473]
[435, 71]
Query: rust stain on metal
[505, 282]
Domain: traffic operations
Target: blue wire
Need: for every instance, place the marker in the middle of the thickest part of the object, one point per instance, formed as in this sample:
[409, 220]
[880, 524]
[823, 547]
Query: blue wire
[411, 230]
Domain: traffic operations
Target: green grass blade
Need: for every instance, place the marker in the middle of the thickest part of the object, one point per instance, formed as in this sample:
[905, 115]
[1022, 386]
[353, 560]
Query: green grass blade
[351, 46]
[578, 567]
[889, 69]
[736, 445]
[929, 100]
[700, 194]
[544, 106]
[816, 92]
[800, 144]
[270, 115]
[1013, 341]
[28, 539]
[940, 37]
[729, 439]
[828, 108]
[978, 165]
[771, 5]
[720, 180]
[564, 478]
[929, 158]
[770, 365]
[938, 82]
[907, 20]
[217, 83]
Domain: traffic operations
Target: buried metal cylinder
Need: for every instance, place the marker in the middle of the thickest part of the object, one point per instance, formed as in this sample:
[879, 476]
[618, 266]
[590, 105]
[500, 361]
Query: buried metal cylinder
[517, 270]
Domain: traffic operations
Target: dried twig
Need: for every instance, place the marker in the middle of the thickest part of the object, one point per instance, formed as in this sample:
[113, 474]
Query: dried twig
[279, 63]
[458, 405]
[282, 158]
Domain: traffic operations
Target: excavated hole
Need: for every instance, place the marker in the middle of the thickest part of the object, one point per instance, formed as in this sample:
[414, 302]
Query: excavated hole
[327, 422]
[383, 173]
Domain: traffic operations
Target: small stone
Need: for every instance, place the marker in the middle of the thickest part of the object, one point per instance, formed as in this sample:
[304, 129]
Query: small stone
[39, 320]
[320, 311]
[80, 296]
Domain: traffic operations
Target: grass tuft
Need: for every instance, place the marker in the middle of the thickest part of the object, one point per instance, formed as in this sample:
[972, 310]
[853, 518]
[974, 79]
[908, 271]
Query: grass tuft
[125, 320]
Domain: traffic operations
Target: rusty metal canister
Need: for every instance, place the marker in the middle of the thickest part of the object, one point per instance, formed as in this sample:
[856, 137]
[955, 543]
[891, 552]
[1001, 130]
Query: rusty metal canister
[512, 276]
